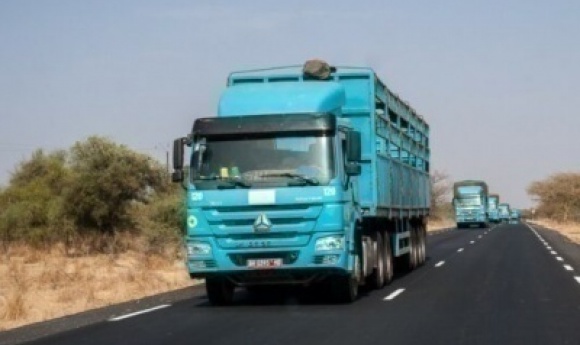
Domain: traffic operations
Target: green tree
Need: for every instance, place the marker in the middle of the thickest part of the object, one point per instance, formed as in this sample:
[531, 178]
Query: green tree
[32, 204]
[108, 178]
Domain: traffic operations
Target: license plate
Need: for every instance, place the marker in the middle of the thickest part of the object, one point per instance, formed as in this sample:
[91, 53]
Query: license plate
[264, 263]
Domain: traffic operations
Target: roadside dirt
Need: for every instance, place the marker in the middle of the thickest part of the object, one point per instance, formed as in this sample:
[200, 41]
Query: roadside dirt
[41, 285]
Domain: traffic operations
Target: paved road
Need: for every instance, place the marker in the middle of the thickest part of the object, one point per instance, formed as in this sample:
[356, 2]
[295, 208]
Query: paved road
[479, 286]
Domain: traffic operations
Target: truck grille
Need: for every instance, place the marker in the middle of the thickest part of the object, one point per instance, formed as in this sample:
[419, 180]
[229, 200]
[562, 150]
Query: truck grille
[282, 218]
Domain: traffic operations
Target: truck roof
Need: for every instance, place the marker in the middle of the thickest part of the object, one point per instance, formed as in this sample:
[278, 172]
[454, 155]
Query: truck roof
[281, 98]
[341, 74]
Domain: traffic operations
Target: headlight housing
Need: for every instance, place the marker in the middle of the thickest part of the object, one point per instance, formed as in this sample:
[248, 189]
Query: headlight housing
[330, 243]
[198, 249]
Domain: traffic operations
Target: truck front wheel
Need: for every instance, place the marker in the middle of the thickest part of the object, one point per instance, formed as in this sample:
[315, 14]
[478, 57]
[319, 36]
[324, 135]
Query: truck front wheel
[344, 289]
[220, 291]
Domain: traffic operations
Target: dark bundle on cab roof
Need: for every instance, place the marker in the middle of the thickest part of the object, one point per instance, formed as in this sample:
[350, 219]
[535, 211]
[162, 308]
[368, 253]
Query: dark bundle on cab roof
[318, 69]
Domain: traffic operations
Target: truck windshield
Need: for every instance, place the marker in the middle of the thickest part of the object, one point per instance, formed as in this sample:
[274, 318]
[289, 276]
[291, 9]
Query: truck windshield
[468, 201]
[261, 162]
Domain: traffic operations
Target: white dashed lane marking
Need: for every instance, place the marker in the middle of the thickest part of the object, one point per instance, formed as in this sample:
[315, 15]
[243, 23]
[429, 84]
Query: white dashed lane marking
[394, 294]
[126, 316]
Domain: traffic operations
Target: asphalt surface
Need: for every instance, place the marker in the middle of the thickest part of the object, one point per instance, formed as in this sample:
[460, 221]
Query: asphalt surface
[479, 286]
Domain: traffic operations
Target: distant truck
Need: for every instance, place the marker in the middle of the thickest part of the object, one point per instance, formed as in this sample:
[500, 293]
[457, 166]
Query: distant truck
[309, 175]
[504, 212]
[515, 216]
[492, 208]
[470, 203]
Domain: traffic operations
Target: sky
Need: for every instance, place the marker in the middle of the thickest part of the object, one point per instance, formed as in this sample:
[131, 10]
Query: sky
[498, 80]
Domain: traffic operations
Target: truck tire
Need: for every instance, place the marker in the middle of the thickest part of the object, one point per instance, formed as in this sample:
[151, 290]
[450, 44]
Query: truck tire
[377, 279]
[388, 263]
[344, 289]
[420, 246]
[220, 291]
[414, 253]
[424, 243]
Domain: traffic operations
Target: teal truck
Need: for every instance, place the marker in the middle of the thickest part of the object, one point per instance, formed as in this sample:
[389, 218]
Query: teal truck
[309, 175]
[515, 216]
[470, 201]
[504, 212]
[492, 208]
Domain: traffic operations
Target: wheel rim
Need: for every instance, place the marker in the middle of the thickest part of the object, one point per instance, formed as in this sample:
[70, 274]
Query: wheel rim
[389, 266]
[380, 263]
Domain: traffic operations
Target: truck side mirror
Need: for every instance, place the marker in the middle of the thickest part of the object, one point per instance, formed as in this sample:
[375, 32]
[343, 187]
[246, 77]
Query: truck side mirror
[353, 146]
[352, 169]
[178, 150]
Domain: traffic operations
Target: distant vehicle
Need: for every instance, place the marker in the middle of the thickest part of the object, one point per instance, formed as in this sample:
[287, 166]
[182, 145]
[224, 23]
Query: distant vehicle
[515, 216]
[492, 208]
[504, 212]
[470, 203]
[308, 175]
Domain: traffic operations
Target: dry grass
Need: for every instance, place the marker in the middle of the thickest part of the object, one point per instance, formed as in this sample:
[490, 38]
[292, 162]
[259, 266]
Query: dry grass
[570, 230]
[439, 224]
[37, 285]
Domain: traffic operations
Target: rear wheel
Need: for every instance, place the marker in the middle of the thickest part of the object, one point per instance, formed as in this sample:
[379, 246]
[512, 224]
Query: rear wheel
[387, 259]
[220, 291]
[424, 232]
[421, 235]
[412, 257]
[377, 279]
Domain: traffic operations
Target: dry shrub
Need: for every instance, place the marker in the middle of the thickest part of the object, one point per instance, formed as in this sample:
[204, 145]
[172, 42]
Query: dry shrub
[14, 291]
[569, 229]
[68, 283]
[12, 307]
[439, 224]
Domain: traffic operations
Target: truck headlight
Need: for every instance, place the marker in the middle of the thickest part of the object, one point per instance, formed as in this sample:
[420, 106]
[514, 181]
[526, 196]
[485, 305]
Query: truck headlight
[330, 243]
[198, 249]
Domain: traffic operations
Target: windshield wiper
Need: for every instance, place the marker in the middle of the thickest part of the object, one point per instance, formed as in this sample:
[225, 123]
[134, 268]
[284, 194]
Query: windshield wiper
[224, 183]
[232, 183]
[311, 181]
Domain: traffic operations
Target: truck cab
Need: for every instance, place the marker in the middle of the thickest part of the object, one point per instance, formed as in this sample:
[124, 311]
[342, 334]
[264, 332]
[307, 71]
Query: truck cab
[470, 202]
[515, 216]
[492, 208]
[504, 212]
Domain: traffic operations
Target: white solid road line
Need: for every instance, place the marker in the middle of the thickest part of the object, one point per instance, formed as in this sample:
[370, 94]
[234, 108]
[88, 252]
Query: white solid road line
[393, 295]
[439, 264]
[126, 316]
[568, 268]
[460, 250]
